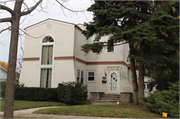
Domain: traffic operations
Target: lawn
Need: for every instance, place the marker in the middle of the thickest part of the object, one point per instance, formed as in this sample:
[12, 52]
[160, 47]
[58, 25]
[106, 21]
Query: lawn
[101, 111]
[19, 104]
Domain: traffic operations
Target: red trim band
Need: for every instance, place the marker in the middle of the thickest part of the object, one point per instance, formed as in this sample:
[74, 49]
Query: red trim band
[63, 58]
[30, 59]
[79, 60]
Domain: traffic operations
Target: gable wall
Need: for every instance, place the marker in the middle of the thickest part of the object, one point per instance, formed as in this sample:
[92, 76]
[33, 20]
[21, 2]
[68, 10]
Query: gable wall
[63, 66]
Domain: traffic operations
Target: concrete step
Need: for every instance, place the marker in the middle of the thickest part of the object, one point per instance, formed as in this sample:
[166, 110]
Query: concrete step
[108, 101]
[109, 98]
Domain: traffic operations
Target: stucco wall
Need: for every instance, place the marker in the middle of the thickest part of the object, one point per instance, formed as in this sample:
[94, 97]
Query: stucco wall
[63, 72]
[117, 55]
[63, 46]
[62, 33]
[30, 73]
[79, 41]
[98, 86]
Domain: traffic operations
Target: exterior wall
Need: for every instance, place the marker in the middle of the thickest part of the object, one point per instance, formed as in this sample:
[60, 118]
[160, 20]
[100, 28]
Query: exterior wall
[3, 74]
[104, 55]
[80, 57]
[81, 66]
[30, 73]
[98, 86]
[68, 57]
[57, 30]
[63, 71]
[63, 48]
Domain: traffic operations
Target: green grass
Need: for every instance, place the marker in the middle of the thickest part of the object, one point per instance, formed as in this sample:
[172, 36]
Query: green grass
[19, 104]
[100, 111]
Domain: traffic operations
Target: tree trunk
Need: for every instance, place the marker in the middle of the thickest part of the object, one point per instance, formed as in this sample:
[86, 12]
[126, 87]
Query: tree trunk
[134, 77]
[141, 83]
[9, 94]
[141, 78]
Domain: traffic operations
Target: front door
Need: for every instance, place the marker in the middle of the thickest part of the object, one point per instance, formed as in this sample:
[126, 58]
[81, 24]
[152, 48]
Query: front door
[114, 79]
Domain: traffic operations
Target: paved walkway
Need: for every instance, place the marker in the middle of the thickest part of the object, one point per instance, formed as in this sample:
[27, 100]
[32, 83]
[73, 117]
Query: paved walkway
[28, 113]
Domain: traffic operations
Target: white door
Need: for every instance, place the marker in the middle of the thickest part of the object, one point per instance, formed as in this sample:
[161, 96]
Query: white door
[114, 80]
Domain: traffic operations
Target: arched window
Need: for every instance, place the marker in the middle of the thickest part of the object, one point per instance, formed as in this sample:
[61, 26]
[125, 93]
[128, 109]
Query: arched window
[47, 51]
[48, 39]
[46, 62]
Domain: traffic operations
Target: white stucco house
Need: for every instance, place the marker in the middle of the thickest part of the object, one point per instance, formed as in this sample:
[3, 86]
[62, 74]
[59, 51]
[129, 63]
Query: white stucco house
[3, 74]
[52, 54]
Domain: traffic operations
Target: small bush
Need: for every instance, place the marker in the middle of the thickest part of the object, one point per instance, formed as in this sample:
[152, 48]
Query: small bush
[72, 93]
[35, 94]
[164, 101]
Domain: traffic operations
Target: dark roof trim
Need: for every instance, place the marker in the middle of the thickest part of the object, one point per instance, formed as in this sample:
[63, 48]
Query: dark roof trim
[78, 27]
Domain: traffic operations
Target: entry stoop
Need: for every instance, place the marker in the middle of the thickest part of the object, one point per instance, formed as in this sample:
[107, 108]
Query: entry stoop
[101, 98]
[109, 98]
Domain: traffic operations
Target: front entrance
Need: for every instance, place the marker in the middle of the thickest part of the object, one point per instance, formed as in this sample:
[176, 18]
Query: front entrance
[114, 80]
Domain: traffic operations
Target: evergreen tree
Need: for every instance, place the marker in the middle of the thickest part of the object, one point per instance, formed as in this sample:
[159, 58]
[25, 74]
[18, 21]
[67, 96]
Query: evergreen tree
[142, 24]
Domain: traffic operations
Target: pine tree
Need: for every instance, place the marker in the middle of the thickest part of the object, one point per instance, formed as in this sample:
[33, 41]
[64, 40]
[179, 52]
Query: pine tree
[121, 19]
[142, 24]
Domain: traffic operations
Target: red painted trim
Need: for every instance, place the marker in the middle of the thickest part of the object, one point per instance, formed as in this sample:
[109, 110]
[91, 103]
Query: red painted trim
[115, 62]
[78, 27]
[79, 60]
[90, 63]
[63, 58]
[30, 59]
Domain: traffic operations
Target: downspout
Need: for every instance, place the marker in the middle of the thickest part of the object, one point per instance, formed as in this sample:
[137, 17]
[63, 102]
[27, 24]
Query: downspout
[75, 52]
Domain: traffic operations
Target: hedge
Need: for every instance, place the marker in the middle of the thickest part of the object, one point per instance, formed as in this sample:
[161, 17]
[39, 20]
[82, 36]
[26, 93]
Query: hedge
[35, 94]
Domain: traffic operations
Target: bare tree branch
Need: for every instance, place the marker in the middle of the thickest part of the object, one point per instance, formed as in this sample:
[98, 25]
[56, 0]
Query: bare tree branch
[68, 8]
[8, 28]
[7, 9]
[5, 20]
[31, 9]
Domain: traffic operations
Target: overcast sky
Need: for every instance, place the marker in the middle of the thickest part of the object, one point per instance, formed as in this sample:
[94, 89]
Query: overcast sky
[52, 10]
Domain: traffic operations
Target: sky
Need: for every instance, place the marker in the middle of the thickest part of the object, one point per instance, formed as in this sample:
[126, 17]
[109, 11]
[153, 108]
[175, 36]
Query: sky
[51, 9]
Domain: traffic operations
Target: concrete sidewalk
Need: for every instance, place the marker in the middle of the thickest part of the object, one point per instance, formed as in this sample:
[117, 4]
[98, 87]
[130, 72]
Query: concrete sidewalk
[28, 113]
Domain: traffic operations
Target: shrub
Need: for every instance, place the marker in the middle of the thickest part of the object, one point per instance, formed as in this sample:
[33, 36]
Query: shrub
[3, 87]
[35, 94]
[72, 93]
[164, 101]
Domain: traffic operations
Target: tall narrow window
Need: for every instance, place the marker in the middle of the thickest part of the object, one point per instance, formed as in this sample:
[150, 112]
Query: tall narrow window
[47, 52]
[80, 76]
[46, 75]
[46, 62]
[110, 43]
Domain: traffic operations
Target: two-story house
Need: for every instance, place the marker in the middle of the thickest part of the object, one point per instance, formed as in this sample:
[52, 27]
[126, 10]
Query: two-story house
[52, 54]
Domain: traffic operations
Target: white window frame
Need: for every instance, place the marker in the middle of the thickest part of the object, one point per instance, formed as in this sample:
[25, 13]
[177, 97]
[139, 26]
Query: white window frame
[107, 48]
[80, 75]
[88, 76]
[46, 66]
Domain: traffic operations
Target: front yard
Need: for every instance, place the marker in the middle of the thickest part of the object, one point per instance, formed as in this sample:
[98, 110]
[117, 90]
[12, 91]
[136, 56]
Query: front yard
[19, 104]
[123, 111]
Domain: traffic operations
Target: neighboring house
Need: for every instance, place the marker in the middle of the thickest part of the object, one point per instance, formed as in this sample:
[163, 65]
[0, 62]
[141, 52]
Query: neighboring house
[52, 54]
[3, 74]
[148, 80]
